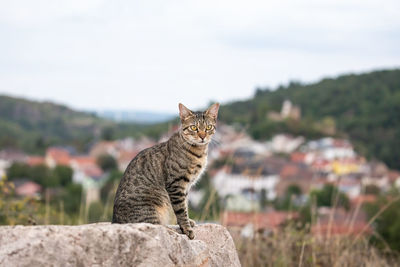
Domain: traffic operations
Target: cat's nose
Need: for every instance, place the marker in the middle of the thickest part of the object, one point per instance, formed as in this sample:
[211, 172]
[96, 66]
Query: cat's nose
[202, 135]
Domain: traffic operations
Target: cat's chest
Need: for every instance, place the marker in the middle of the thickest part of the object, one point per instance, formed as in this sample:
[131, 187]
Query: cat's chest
[196, 169]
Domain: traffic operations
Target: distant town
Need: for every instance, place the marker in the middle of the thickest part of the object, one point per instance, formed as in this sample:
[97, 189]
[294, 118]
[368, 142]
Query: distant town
[246, 175]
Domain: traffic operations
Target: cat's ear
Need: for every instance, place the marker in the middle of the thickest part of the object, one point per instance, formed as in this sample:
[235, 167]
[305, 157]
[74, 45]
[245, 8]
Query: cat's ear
[213, 110]
[184, 112]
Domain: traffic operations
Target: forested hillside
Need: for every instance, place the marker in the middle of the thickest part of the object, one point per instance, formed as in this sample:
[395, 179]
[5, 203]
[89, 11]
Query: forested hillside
[365, 107]
[32, 125]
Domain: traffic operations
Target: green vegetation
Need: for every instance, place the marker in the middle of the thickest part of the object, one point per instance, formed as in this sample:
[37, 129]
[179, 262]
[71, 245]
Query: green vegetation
[41, 174]
[287, 202]
[365, 107]
[106, 162]
[387, 224]
[33, 126]
[329, 196]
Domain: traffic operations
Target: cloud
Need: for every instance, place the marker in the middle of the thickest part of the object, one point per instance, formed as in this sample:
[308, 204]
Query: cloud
[153, 54]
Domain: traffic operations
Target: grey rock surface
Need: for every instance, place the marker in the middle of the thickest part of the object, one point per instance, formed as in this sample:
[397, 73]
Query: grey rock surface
[105, 244]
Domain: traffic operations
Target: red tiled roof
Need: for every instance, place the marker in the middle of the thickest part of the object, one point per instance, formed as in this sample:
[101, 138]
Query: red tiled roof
[127, 155]
[363, 199]
[28, 188]
[88, 165]
[289, 170]
[84, 160]
[267, 220]
[341, 229]
[59, 155]
[298, 157]
[35, 160]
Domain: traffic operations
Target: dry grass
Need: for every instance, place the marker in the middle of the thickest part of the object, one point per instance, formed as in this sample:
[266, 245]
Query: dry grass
[291, 247]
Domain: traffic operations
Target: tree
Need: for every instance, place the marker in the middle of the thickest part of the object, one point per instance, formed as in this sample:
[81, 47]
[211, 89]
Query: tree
[18, 170]
[329, 195]
[107, 162]
[108, 134]
[387, 224]
[63, 174]
[72, 198]
[286, 202]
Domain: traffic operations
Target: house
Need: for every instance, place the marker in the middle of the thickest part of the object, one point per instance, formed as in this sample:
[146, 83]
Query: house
[346, 166]
[266, 221]
[340, 222]
[57, 156]
[26, 188]
[104, 148]
[85, 168]
[361, 199]
[35, 160]
[91, 176]
[294, 173]
[8, 157]
[350, 186]
[228, 182]
[229, 140]
[288, 110]
[242, 202]
[284, 143]
[124, 158]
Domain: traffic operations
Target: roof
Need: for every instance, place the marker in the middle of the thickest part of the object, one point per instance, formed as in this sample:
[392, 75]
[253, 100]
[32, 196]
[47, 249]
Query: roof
[363, 199]
[26, 188]
[84, 160]
[340, 228]
[265, 220]
[59, 155]
[35, 160]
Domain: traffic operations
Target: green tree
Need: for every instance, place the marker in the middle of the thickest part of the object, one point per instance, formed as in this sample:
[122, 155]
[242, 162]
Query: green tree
[330, 195]
[63, 174]
[72, 198]
[18, 170]
[108, 133]
[387, 224]
[107, 162]
[286, 202]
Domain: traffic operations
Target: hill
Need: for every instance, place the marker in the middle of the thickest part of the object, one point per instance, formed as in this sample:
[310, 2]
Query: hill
[32, 126]
[364, 108]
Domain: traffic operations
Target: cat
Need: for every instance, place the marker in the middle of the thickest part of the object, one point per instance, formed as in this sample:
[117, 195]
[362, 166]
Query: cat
[159, 177]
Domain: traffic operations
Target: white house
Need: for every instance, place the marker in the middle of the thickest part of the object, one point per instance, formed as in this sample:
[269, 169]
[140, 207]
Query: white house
[234, 184]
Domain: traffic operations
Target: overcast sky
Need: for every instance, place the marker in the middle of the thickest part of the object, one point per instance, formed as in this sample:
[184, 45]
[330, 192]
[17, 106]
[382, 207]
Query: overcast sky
[150, 55]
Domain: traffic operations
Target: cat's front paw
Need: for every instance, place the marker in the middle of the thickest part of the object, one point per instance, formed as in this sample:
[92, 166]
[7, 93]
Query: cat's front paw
[192, 223]
[188, 231]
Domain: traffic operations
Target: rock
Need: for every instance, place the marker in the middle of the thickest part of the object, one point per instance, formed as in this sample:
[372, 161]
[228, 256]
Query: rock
[105, 244]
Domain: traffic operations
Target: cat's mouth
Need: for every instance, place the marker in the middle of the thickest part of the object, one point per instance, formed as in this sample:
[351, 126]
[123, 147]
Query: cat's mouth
[202, 142]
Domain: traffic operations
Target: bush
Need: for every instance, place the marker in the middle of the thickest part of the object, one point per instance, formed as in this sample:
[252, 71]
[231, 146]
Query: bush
[107, 163]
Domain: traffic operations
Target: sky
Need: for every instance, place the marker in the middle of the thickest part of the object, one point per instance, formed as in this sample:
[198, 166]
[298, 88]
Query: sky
[152, 54]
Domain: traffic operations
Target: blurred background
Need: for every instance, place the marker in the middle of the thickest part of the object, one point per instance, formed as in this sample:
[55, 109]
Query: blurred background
[305, 165]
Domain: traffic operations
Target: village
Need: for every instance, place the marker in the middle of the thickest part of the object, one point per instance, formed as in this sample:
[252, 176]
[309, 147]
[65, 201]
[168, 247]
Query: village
[247, 175]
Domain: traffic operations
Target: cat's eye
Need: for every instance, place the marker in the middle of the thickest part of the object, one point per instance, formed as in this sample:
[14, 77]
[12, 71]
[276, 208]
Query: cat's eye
[209, 127]
[193, 128]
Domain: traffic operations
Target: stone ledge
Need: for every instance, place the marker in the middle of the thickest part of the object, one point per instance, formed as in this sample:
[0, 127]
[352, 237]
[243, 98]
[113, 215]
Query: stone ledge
[105, 244]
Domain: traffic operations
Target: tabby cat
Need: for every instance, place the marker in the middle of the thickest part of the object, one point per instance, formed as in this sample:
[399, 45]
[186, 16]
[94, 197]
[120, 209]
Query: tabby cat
[159, 177]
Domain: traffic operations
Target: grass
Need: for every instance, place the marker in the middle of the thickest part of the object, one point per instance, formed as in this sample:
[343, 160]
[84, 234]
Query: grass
[292, 247]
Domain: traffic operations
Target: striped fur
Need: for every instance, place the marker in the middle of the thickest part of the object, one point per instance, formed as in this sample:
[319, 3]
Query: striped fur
[159, 178]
